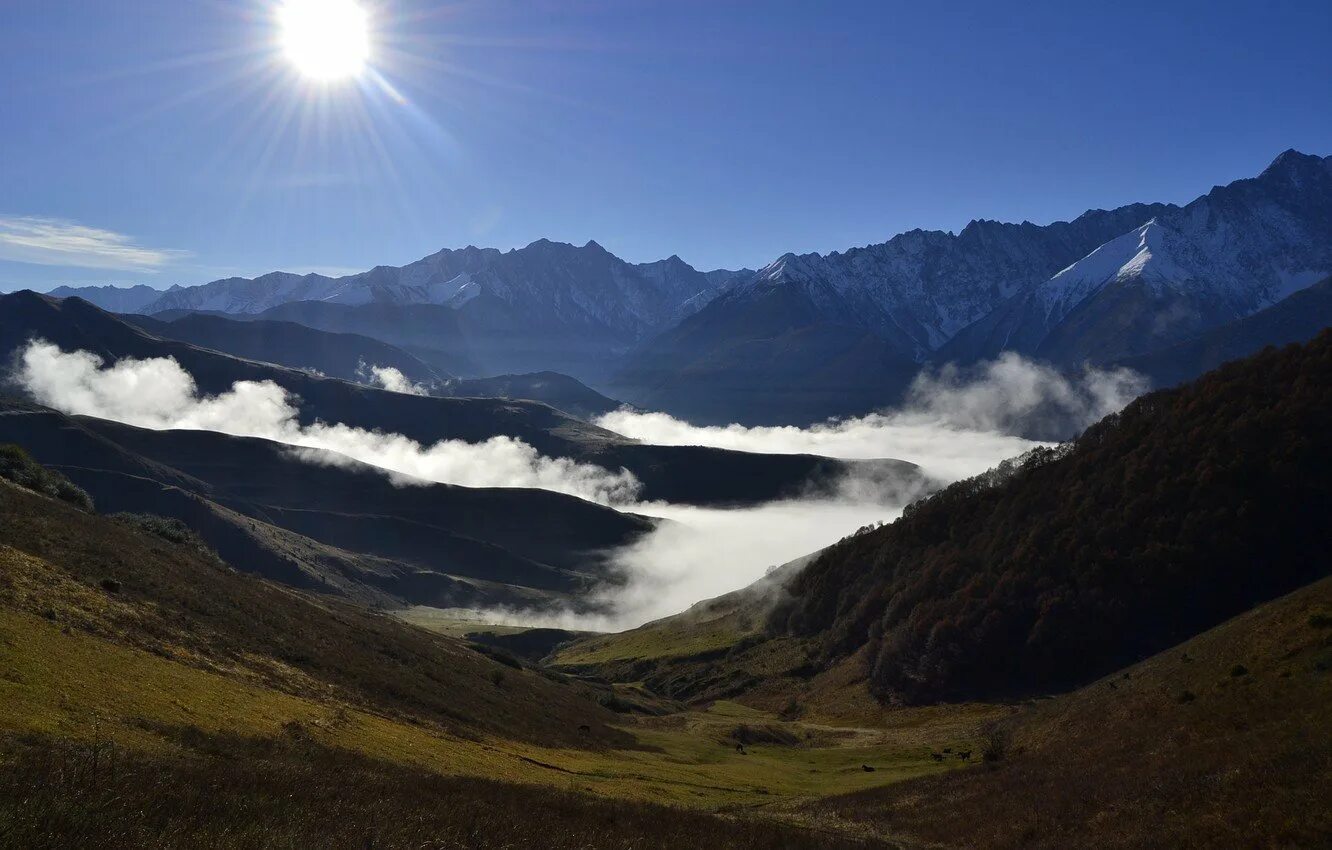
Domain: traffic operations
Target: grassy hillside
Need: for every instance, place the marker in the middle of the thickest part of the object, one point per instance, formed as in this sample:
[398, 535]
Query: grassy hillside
[1191, 506]
[114, 583]
[137, 670]
[559, 391]
[1223, 741]
[345, 530]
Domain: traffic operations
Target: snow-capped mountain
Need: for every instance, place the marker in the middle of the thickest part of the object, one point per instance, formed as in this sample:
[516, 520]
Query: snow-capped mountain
[814, 335]
[919, 288]
[1108, 285]
[1234, 251]
[552, 281]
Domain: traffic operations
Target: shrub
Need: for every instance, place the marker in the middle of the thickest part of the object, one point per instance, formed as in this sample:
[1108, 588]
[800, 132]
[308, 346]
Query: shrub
[18, 466]
[792, 710]
[168, 529]
[765, 734]
[996, 745]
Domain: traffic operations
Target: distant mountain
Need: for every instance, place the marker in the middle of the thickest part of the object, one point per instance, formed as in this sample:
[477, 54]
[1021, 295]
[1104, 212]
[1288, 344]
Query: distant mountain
[477, 312]
[844, 333]
[764, 355]
[811, 336]
[677, 474]
[113, 299]
[289, 344]
[1296, 319]
[572, 286]
[551, 295]
[1226, 255]
[347, 356]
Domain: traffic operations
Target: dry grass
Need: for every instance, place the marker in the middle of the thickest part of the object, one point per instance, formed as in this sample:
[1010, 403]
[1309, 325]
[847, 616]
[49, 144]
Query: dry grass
[231, 792]
[1224, 741]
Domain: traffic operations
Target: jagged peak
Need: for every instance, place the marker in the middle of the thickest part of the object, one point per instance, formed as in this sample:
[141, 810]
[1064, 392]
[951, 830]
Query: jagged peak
[1291, 160]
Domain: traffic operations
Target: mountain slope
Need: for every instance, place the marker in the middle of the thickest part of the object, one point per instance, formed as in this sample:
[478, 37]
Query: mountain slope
[1188, 507]
[343, 356]
[113, 299]
[1222, 741]
[815, 336]
[350, 357]
[1226, 255]
[1297, 318]
[764, 355]
[549, 305]
[343, 529]
[679, 474]
[559, 391]
[576, 286]
[181, 605]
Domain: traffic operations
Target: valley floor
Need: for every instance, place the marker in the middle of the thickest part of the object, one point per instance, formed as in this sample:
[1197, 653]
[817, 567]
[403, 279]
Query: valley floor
[151, 696]
[726, 757]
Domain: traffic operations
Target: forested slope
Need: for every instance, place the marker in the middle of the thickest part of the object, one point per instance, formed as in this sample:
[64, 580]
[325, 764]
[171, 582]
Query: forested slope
[1189, 507]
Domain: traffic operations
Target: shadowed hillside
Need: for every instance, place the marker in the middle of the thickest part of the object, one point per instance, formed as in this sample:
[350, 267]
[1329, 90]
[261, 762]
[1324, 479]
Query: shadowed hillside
[1190, 506]
[344, 529]
[678, 474]
[1223, 741]
[335, 355]
[1298, 318]
[112, 582]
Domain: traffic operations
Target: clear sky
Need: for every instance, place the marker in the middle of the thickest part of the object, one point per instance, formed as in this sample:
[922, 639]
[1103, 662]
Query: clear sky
[170, 141]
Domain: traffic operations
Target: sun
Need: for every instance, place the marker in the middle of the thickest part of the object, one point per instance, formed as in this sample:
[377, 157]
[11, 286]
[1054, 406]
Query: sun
[325, 40]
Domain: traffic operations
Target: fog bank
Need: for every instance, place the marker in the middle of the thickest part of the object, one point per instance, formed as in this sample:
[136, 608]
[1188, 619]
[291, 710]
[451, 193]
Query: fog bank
[956, 423]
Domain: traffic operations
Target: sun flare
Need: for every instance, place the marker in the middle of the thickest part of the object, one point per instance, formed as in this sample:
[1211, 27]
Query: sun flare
[325, 39]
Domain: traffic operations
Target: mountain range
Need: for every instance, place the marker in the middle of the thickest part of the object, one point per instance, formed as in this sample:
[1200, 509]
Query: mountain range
[811, 336]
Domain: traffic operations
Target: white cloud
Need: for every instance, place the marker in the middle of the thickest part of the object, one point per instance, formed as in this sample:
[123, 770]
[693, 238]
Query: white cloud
[389, 378]
[702, 553]
[1014, 395]
[159, 394]
[55, 242]
[955, 424]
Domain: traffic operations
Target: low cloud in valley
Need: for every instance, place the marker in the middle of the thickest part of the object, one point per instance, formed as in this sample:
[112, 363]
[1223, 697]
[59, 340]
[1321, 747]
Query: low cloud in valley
[956, 423]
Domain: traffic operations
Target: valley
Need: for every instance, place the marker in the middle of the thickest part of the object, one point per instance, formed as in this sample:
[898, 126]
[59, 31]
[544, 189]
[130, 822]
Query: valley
[1006, 538]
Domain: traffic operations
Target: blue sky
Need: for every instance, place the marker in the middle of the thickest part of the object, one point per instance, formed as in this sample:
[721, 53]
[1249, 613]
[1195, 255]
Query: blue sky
[167, 141]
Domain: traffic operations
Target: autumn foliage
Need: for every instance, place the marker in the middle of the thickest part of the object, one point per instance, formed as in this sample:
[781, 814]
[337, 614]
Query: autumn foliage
[1189, 507]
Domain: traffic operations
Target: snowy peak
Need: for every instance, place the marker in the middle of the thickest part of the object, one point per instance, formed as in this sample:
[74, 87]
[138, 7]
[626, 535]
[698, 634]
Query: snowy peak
[1228, 254]
[921, 287]
[543, 283]
[1247, 244]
